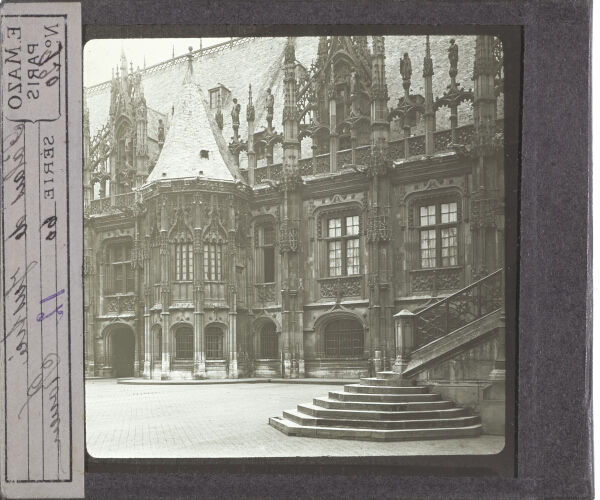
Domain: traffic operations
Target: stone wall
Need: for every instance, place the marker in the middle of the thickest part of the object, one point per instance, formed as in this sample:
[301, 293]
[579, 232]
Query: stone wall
[464, 376]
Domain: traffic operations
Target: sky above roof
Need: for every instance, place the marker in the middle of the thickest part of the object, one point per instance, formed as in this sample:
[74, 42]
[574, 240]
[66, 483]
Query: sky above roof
[103, 55]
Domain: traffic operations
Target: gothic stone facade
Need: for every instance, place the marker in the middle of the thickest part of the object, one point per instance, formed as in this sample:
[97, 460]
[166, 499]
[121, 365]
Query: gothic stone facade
[290, 252]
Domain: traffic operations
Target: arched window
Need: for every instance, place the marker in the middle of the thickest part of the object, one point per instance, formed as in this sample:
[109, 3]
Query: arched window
[184, 343]
[214, 342]
[269, 348]
[344, 337]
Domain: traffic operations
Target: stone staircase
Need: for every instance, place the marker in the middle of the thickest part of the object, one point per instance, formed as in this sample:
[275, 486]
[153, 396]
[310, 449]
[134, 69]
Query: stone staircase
[380, 409]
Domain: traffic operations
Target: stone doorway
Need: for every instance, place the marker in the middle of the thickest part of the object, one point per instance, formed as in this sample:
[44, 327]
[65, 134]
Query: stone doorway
[124, 353]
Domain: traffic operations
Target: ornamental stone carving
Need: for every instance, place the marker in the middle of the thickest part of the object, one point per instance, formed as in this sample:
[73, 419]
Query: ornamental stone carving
[265, 292]
[88, 268]
[483, 213]
[378, 228]
[435, 279]
[289, 236]
[347, 286]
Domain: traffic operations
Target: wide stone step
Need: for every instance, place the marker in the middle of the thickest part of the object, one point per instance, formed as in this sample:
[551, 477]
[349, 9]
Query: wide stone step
[383, 389]
[302, 418]
[376, 381]
[398, 398]
[387, 398]
[430, 404]
[378, 411]
[293, 429]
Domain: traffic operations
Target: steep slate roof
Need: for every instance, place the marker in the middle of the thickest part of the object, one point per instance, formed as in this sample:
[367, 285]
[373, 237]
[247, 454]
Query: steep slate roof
[193, 129]
[260, 62]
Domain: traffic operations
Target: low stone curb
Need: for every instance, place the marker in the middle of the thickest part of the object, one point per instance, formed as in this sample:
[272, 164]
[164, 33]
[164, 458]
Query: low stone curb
[316, 381]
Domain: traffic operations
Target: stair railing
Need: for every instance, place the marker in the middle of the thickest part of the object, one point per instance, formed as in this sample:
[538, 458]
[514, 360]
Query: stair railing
[459, 309]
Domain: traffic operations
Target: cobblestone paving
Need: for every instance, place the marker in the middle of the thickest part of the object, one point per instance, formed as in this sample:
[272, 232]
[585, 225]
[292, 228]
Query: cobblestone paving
[151, 421]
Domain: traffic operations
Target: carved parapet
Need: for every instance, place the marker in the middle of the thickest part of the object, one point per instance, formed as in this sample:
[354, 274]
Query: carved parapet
[119, 304]
[260, 175]
[305, 166]
[125, 202]
[431, 280]
[343, 286]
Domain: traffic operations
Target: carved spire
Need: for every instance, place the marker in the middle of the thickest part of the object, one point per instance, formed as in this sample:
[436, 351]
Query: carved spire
[250, 108]
[378, 45]
[429, 113]
[290, 51]
[485, 100]
[427, 62]
[251, 154]
[123, 62]
[86, 117]
[322, 51]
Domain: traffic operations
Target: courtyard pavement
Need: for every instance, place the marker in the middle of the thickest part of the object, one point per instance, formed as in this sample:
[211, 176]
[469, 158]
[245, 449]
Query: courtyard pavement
[227, 420]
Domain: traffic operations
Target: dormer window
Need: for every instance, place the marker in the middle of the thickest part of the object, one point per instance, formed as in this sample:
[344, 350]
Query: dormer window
[204, 153]
[215, 95]
[218, 95]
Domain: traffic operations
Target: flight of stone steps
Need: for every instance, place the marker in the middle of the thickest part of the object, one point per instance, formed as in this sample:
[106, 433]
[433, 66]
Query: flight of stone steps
[381, 409]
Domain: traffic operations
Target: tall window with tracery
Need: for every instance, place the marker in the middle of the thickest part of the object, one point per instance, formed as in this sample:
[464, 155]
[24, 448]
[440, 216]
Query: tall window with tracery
[120, 277]
[268, 250]
[438, 235]
[212, 262]
[343, 246]
[184, 261]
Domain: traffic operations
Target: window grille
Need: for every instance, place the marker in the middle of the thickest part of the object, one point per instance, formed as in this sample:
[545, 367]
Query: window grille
[214, 342]
[184, 343]
[344, 338]
[269, 348]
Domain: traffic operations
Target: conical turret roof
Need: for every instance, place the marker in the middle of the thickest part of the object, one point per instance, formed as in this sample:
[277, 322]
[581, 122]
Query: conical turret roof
[194, 145]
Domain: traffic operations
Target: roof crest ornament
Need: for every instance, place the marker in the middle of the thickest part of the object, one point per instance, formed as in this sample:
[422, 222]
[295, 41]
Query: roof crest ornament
[189, 75]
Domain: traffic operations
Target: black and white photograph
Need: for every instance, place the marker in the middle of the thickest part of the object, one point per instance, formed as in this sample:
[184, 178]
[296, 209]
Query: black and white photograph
[294, 246]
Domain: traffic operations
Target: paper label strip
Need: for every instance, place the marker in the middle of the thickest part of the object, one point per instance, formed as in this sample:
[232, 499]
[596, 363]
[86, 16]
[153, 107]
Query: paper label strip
[41, 251]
